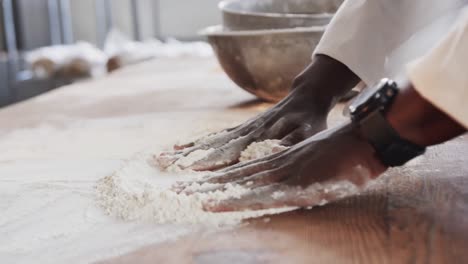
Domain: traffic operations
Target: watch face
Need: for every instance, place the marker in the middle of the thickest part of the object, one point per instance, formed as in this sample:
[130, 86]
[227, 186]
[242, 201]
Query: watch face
[377, 97]
[365, 96]
[362, 98]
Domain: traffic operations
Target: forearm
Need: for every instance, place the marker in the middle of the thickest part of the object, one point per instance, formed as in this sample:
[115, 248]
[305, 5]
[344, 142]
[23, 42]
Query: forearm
[418, 121]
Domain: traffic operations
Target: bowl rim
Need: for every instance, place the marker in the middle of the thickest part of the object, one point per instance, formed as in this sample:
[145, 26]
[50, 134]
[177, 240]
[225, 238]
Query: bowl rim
[224, 6]
[220, 30]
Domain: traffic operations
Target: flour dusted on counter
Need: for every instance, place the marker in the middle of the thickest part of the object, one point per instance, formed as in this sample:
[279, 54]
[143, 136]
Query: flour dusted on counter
[258, 150]
[140, 191]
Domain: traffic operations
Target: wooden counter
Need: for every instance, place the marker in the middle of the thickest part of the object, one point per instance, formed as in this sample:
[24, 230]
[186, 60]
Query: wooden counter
[415, 214]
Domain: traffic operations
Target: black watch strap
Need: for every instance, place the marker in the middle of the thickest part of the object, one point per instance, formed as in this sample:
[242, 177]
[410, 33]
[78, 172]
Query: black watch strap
[391, 149]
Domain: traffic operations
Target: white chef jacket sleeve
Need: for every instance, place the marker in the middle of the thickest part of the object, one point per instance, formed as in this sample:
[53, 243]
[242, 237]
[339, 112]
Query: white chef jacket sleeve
[441, 76]
[365, 34]
[375, 38]
[353, 30]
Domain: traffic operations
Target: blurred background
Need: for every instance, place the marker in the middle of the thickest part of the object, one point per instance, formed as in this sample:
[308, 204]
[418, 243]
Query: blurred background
[28, 25]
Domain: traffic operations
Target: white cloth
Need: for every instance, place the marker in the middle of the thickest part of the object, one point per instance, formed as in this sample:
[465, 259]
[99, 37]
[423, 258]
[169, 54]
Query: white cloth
[378, 38]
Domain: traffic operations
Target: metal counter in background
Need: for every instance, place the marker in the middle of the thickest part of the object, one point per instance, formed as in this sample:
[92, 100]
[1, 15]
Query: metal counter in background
[32, 24]
[27, 25]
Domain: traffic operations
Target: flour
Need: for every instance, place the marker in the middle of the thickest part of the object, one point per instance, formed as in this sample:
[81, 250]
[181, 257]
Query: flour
[321, 194]
[277, 195]
[183, 162]
[258, 150]
[140, 191]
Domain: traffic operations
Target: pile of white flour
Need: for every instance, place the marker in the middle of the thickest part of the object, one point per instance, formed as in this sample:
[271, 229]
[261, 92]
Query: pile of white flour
[140, 191]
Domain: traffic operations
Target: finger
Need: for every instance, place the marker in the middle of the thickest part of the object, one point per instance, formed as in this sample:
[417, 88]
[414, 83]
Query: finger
[215, 134]
[249, 163]
[209, 141]
[169, 153]
[264, 178]
[219, 157]
[293, 138]
[176, 153]
[200, 141]
[283, 195]
[234, 128]
[223, 156]
[192, 188]
[258, 199]
[281, 128]
[179, 187]
[300, 134]
[272, 197]
[240, 172]
[243, 172]
[184, 146]
[165, 160]
[250, 182]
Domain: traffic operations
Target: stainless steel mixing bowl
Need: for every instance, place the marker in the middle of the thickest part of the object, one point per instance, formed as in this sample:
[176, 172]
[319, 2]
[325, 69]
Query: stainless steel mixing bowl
[264, 62]
[275, 14]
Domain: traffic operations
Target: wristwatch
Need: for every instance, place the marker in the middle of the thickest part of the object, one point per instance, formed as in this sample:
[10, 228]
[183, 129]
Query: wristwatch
[368, 113]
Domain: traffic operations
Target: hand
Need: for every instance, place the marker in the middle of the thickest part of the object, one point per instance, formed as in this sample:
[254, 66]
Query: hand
[325, 167]
[300, 115]
[307, 174]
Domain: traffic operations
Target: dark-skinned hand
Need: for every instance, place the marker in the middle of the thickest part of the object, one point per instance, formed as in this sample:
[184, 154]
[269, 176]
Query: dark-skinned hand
[335, 155]
[301, 114]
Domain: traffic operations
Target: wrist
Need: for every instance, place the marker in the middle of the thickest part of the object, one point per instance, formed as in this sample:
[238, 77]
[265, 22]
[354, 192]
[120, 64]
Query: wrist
[404, 121]
[418, 121]
[359, 152]
[370, 113]
[324, 82]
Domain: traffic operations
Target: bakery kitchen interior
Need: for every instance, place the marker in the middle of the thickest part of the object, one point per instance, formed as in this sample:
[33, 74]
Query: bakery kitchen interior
[233, 131]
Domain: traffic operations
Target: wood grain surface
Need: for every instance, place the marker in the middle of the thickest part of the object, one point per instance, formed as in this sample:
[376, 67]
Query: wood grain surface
[415, 214]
